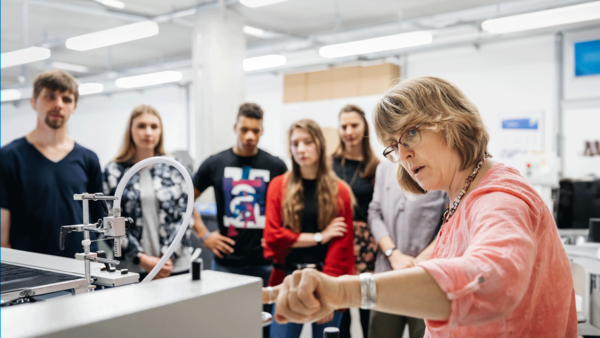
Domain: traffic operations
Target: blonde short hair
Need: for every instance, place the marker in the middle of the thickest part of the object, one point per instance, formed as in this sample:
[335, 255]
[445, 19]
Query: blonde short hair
[437, 105]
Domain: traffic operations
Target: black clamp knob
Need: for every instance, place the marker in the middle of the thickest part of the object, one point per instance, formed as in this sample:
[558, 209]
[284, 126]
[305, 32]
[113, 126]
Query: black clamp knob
[108, 267]
[64, 231]
[129, 223]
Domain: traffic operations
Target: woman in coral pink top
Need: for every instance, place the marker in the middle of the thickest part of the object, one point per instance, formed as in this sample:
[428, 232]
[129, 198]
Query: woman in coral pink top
[498, 268]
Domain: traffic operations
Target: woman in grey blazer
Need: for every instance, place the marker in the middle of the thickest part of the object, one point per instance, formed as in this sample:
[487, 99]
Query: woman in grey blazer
[406, 232]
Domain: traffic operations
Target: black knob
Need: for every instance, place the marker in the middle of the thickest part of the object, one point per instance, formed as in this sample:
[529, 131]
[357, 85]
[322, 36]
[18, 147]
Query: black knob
[331, 332]
[129, 224]
[64, 231]
[100, 223]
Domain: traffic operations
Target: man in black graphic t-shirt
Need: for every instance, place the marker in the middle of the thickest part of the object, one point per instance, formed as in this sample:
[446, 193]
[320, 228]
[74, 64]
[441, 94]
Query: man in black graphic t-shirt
[240, 177]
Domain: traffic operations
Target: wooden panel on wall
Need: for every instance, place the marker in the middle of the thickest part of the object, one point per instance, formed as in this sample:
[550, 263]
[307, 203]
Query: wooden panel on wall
[319, 86]
[376, 79]
[339, 82]
[294, 88]
[345, 81]
[332, 140]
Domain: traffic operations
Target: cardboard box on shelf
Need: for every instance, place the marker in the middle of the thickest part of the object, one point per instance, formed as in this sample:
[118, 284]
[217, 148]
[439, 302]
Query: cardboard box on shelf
[345, 81]
[339, 82]
[376, 79]
[294, 88]
[319, 85]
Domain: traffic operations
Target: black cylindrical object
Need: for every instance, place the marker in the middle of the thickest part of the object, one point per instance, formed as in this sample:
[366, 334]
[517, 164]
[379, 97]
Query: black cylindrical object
[594, 233]
[196, 269]
[331, 332]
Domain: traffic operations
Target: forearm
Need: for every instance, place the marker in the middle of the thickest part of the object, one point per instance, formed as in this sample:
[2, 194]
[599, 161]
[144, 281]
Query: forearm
[305, 240]
[386, 243]
[410, 292]
[378, 228]
[425, 254]
[199, 227]
[5, 229]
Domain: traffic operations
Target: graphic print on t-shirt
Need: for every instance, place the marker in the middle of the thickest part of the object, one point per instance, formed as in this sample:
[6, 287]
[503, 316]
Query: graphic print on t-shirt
[245, 194]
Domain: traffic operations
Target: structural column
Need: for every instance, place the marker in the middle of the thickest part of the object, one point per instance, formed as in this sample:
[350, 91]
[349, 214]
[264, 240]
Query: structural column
[218, 51]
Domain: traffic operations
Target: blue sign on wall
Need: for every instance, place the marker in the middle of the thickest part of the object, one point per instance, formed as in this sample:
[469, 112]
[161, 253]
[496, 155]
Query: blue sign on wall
[587, 58]
[530, 124]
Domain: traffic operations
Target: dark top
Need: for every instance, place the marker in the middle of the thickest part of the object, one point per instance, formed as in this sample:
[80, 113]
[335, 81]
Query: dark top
[362, 188]
[310, 224]
[39, 195]
[240, 185]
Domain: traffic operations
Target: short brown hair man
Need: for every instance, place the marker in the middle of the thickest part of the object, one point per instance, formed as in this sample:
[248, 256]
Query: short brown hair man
[41, 171]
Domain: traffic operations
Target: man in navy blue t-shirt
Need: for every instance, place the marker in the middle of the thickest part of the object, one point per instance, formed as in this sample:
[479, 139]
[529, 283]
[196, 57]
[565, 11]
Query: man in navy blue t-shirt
[42, 171]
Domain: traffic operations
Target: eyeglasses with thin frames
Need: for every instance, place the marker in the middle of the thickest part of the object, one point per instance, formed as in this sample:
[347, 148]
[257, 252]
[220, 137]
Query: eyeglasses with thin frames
[409, 140]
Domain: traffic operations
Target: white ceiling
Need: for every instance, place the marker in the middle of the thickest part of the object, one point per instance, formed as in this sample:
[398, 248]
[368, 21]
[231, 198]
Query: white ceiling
[51, 22]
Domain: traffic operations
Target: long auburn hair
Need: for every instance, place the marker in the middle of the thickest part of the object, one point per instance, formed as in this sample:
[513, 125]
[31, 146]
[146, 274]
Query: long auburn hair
[327, 190]
[127, 151]
[370, 162]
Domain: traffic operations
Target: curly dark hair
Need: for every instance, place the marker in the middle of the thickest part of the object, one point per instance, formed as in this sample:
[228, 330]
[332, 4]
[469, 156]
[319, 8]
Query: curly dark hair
[250, 110]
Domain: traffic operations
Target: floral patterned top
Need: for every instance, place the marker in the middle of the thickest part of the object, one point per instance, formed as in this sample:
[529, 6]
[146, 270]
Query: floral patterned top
[170, 190]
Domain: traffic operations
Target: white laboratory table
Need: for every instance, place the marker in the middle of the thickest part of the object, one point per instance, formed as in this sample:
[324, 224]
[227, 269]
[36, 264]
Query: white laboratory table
[219, 305]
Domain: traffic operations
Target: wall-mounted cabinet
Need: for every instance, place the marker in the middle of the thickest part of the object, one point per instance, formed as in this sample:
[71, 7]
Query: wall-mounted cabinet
[339, 82]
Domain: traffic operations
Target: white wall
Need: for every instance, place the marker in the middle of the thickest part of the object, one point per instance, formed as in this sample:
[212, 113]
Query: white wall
[99, 120]
[504, 77]
[581, 111]
[266, 90]
[500, 78]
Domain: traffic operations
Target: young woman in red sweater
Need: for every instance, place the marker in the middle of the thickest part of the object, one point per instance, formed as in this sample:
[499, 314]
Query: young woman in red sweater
[308, 220]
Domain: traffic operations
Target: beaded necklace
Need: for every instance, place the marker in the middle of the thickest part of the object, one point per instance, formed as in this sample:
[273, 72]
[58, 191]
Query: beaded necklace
[450, 211]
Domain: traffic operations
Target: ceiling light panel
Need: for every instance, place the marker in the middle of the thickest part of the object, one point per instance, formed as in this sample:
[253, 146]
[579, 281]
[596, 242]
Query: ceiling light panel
[254, 31]
[70, 67]
[90, 88]
[376, 45]
[10, 95]
[113, 36]
[112, 3]
[259, 3]
[260, 33]
[552, 17]
[24, 56]
[262, 62]
[149, 79]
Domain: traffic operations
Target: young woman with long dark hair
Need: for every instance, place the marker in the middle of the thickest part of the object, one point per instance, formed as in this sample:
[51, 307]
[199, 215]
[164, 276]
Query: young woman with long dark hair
[309, 220]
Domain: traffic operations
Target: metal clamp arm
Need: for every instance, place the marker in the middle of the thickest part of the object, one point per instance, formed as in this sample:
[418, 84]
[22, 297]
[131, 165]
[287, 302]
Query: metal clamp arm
[102, 260]
[64, 231]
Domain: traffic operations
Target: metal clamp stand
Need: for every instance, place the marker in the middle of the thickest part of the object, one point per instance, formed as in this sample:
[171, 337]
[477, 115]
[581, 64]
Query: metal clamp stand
[113, 226]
